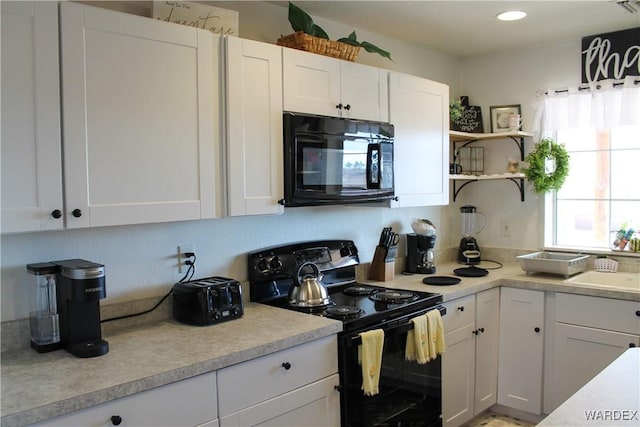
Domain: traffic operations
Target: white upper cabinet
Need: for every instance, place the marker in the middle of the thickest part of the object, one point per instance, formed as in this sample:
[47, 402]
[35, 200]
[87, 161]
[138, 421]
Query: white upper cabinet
[419, 111]
[140, 118]
[317, 84]
[31, 154]
[254, 127]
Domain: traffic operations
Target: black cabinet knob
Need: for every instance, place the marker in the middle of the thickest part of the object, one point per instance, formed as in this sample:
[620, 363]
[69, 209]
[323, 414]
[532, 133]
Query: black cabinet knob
[339, 106]
[337, 387]
[281, 202]
[286, 366]
[481, 330]
[631, 345]
[638, 313]
[347, 107]
[56, 213]
[77, 213]
[475, 332]
[116, 420]
[536, 329]
[461, 308]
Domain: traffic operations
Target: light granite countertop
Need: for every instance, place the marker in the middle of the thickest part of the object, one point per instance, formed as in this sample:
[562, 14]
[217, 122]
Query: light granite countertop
[611, 398]
[36, 386]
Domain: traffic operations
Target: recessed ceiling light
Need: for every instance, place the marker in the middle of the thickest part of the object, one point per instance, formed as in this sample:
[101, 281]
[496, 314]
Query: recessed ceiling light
[511, 15]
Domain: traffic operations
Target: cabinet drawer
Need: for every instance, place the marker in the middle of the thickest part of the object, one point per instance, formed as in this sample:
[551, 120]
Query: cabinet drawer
[186, 403]
[460, 312]
[255, 381]
[595, 312]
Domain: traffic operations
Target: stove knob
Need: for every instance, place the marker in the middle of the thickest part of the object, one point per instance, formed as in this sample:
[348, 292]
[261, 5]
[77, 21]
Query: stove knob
[263, 266]
[275, 263]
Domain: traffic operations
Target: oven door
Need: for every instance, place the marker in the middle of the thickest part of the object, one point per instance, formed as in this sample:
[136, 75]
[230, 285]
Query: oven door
[410, 394]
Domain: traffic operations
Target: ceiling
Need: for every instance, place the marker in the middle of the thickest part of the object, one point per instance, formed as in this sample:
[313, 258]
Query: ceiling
[466, 28]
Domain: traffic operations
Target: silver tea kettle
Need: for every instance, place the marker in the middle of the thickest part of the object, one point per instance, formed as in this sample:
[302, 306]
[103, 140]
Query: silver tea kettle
[308, 291]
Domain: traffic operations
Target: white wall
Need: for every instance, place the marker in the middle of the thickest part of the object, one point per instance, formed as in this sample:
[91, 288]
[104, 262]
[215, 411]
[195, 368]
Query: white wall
[141, 260]
[505, 78]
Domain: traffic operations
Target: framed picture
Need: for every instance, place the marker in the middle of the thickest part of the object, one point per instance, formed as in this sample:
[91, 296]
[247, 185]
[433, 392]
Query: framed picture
[500, 115]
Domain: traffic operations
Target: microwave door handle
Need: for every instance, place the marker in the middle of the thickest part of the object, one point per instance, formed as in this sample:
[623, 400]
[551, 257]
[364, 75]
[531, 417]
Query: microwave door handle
[374, 157]
[405, 327]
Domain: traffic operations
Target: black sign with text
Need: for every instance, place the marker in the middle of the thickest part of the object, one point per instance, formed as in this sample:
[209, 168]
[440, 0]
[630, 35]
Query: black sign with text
[611, 55]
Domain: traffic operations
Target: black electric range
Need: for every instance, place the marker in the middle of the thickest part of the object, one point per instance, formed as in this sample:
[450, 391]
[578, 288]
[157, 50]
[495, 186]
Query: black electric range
[410, 394]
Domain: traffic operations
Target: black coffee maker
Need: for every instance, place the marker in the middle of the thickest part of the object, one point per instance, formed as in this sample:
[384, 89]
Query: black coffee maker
[420, 254]
[80, 287]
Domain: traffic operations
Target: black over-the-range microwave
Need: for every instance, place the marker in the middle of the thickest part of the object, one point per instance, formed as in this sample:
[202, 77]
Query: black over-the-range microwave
[330, 160]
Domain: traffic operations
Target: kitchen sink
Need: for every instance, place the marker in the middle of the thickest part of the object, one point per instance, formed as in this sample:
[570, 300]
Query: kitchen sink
[626, 281]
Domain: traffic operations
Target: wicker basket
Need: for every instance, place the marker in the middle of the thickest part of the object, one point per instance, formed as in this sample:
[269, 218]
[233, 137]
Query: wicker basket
[303, 41]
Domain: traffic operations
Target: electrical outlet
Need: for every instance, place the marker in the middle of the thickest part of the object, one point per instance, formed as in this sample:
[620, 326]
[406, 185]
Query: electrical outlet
[183, 249]
[505, 228]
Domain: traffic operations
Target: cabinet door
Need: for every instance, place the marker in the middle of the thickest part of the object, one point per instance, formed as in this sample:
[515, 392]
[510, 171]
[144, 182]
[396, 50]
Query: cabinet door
[254, 127]
[314, 405]
[521, 346]
[364, 92]
[311, 83]
[140, 118]
[487, 338]
[458, 372]
[31, 151]
[184, 403]
[580, 353]
[419, 110]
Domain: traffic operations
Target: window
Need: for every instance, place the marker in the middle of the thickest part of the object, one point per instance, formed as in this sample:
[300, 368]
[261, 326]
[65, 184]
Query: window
[602, 192]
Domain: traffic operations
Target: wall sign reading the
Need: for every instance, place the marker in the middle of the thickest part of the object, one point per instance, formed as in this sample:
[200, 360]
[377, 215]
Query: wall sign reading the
[611, 55]
[214, 19]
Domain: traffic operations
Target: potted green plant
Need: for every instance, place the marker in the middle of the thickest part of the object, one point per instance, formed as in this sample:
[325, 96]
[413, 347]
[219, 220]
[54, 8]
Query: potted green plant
[548, 166]
[455, 109]
[301, 22]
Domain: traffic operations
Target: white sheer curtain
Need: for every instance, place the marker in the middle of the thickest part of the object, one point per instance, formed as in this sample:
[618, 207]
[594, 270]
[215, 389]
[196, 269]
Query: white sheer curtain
[599, 105]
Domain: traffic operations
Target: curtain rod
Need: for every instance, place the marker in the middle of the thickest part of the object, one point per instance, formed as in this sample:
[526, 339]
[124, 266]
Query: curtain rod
[589, 87]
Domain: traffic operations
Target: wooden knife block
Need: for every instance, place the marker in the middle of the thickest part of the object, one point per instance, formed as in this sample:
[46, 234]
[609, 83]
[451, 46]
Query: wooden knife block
[380, 270]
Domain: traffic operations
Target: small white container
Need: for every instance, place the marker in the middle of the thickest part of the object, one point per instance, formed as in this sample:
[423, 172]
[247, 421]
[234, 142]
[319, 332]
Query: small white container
[606, 264]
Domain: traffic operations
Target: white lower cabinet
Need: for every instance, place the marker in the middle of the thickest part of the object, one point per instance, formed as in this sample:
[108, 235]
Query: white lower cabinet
[521, 349]
[316, 404]
[189, 402]
[296, 387]
[590, 333]
[470, 361]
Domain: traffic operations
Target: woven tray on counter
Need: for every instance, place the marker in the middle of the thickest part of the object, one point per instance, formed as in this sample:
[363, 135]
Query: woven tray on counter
[303, 41]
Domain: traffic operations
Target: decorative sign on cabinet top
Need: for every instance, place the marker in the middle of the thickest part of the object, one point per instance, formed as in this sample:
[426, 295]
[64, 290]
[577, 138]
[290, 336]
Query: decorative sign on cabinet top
[214, 19]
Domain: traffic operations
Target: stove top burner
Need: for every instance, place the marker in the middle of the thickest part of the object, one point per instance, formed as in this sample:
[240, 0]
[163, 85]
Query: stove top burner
[359, 290]
[394, 297]
[343, 312]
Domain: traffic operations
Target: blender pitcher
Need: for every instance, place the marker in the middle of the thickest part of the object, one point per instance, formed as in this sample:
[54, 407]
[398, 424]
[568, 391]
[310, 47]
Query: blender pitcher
[469, 251]
[43, 318]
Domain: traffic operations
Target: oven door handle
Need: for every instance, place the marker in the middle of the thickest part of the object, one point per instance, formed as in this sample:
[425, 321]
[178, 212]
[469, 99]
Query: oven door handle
[405, 327]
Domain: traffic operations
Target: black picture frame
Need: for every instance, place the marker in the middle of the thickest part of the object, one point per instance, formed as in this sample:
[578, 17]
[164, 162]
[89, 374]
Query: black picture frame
[499, 115]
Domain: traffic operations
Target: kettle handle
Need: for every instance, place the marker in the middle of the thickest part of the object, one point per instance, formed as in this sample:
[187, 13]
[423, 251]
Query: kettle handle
[303, 265]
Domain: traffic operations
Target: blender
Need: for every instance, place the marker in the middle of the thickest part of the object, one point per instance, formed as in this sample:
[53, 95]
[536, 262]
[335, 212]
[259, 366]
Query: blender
[469, 251]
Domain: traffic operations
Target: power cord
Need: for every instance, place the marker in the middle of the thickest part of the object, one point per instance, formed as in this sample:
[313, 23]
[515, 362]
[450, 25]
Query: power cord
[189, 273]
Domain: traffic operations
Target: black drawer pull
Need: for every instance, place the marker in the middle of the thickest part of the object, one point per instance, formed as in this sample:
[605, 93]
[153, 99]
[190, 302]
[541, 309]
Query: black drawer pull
[536, 329]
[56, 213]
[461, 308]
[286, 366]
[631, 345]
[116, 420]
[638, 313]
[77, 213]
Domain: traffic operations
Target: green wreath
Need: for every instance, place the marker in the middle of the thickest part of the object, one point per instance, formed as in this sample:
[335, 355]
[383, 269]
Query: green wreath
[536, 173]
